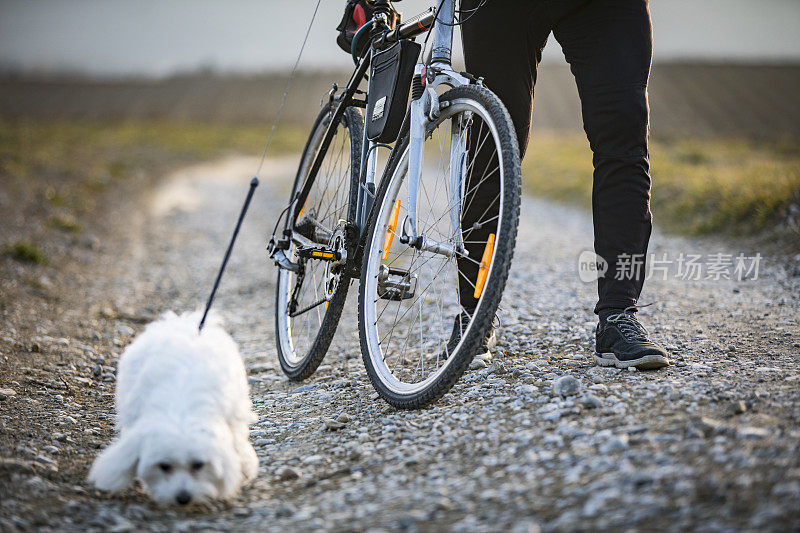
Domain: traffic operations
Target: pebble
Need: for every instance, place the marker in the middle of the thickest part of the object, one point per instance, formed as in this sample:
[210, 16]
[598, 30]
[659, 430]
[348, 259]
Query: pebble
[478, 363]
[125, 330]
[566, 386]
[46, 461]
[333, 424]
[7, 393]
[749, 432]
[288, 473]
[615, 443]
[590, 401]
[738, 407]
[284, 511]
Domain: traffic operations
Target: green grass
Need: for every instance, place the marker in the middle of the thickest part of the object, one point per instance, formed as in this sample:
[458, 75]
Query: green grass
[25, 252]
[699, 186]
[65, 223]
[67, 164]
[100, 152]
[61, 176]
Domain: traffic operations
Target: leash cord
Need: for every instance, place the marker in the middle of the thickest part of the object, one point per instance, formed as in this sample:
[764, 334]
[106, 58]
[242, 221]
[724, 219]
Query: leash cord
[288, 89]
[254, 181]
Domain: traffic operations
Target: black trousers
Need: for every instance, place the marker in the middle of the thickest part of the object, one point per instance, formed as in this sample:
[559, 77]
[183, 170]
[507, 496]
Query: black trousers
[608, 45]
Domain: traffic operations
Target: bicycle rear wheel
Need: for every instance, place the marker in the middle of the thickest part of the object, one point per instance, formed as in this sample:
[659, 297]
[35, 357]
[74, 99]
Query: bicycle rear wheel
[309, 303]
[424, 307]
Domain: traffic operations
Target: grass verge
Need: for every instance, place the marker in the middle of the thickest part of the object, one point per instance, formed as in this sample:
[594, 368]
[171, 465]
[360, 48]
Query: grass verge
[58, 175]
[699, 186]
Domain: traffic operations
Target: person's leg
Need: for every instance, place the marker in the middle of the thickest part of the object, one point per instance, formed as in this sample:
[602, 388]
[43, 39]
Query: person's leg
[608, 44]
[503, 42]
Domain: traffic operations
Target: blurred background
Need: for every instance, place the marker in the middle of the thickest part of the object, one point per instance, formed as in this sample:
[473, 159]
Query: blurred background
[95, 93]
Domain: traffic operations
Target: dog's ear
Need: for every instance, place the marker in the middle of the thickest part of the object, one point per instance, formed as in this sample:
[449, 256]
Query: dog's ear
[115, 467]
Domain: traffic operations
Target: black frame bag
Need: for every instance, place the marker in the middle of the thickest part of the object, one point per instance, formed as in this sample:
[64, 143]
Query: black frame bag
[391, 71]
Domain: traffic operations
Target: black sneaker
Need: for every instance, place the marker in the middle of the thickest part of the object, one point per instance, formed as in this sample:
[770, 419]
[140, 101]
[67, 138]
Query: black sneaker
[459, 325]
[622, 341]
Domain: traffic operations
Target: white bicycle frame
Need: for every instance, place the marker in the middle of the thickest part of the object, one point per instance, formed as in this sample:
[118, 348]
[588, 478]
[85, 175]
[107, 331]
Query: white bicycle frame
[424, 110]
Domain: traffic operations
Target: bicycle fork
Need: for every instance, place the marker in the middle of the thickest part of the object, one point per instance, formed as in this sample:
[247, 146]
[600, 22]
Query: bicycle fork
[424, 111]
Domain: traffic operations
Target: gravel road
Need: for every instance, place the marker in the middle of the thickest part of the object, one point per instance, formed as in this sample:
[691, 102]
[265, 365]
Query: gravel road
[709, 444]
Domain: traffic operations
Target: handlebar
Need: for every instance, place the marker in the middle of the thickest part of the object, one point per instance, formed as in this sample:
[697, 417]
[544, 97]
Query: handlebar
[413, 27]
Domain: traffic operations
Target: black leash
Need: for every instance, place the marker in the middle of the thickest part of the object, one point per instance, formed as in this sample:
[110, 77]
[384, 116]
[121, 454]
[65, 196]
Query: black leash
[253, 185]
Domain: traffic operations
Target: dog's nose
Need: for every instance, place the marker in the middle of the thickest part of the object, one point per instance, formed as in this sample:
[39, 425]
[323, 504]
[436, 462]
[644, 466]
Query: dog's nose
[183, 497]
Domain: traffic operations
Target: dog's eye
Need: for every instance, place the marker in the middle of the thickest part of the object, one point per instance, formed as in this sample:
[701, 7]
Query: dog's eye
[197, 465]
[165, 467]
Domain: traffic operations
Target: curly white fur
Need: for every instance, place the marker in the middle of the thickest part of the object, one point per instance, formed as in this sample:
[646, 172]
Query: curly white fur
[183, 411]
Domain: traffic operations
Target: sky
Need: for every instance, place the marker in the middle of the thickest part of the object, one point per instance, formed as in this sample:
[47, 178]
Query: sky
[157, 38]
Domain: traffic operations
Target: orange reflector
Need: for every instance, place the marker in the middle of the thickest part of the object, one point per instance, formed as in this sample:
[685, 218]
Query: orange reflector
[486, 262]
[326, 305]
[387, 242]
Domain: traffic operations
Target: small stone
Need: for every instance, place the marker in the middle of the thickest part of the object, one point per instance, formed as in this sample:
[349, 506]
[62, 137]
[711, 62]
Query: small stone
[738, 407]
[284, 511]
[122, 525]
[477, 364]
[36, 347]
[566, 386]
[333, 424]
[9, 465]
[590, 401]
[125, 330]
[304, 388]
[710, 425]
[7, 393]
[749, 432]
[343, 418]
[288, 473]
[616, 443]
[41, 459]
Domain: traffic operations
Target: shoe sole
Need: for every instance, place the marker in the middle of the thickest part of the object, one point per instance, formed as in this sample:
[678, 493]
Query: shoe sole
[647, 362]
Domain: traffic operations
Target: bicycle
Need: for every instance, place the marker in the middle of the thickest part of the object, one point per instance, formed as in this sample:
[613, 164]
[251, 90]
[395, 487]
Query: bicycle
[423, 240]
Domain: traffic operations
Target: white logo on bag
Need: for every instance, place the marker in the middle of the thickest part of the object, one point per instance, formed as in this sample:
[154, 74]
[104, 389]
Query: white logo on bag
[377, 111]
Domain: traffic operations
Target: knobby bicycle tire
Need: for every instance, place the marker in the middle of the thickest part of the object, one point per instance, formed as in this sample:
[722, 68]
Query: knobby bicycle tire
[308, 364]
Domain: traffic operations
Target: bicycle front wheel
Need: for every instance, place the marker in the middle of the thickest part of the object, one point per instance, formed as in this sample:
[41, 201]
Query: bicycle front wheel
[426, 304]
[309, 303]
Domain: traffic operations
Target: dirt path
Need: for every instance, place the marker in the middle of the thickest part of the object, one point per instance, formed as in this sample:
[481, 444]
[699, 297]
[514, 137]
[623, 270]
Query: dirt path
[708, 444]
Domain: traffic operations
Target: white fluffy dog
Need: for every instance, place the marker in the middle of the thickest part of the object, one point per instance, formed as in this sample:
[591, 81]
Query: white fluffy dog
[183, 411]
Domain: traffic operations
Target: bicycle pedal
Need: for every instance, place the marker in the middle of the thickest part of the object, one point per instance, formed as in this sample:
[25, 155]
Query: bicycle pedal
[396, 284]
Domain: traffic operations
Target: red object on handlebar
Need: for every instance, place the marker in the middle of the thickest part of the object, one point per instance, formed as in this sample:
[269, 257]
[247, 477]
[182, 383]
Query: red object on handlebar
[359, 16]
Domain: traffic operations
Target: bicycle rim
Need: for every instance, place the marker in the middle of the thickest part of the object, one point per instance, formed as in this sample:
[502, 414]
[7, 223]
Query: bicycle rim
[415, 344]
[317, 302]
